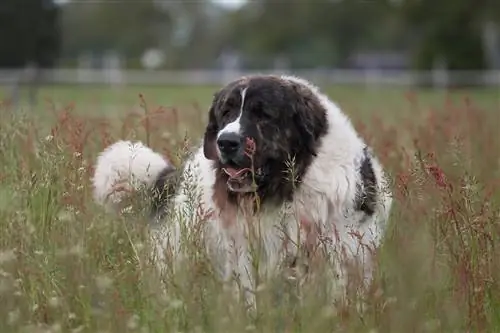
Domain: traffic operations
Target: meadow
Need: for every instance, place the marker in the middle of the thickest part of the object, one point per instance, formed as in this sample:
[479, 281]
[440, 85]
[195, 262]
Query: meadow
[66, 265]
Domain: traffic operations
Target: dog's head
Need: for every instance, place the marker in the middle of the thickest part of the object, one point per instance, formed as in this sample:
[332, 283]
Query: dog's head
[257, 125]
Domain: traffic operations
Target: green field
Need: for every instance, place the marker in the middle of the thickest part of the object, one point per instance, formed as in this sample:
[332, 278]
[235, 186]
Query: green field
[357, 101]
[66, 265]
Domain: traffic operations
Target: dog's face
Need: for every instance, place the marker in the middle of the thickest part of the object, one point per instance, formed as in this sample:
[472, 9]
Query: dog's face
[257, 125]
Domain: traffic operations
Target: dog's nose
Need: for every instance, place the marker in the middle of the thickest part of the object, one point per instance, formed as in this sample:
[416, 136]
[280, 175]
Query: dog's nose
[229, 143]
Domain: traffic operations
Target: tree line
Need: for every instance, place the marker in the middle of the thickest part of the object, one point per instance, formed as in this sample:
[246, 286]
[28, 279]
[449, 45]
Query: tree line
[194, 33]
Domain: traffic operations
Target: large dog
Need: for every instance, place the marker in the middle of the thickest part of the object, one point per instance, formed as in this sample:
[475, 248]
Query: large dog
[278, 160]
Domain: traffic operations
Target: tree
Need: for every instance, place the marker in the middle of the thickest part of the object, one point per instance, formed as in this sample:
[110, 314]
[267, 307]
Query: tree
[450, 30]
[197, 32]
[310, 33]
[127, 27]
[30, 33]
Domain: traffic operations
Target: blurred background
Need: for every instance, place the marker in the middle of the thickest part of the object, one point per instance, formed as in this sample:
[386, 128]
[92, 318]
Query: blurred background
[445, 43]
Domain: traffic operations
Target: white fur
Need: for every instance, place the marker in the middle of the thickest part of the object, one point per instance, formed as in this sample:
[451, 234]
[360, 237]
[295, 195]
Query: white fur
[235, 126]
[125, 166]
[326, 197]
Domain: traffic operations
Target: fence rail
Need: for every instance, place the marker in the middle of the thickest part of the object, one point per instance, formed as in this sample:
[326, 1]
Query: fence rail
[437, 78]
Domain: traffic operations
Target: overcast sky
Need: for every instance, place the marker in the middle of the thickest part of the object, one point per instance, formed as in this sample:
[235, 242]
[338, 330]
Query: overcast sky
[230, 4]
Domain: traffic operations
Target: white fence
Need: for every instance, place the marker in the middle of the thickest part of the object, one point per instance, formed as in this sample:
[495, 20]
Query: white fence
[63, 76]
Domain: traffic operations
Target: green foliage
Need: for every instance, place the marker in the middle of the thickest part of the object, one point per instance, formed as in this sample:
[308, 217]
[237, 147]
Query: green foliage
[319, 33]
[129, 27]
[30, 32]
[450, 31]
[310, 34]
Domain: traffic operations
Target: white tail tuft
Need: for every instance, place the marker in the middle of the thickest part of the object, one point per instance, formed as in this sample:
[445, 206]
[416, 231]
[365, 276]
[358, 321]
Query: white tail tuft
[123, 167]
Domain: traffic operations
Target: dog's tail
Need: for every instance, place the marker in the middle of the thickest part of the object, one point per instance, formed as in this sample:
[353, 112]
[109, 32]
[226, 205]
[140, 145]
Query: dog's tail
[126, 167]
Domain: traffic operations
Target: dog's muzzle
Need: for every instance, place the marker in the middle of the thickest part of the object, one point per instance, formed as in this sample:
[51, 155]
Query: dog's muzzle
[231, 146]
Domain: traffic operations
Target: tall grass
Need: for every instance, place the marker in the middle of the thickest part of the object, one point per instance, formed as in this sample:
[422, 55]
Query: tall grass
[67, 266]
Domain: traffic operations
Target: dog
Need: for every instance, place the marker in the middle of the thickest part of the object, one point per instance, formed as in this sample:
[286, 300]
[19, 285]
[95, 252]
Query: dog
[280, 166]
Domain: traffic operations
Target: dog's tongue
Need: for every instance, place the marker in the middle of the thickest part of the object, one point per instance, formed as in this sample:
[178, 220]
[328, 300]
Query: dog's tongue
[235, 173]
[238, 182]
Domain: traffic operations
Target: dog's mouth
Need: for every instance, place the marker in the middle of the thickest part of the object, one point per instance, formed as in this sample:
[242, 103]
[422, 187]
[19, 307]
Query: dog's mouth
[241, 180]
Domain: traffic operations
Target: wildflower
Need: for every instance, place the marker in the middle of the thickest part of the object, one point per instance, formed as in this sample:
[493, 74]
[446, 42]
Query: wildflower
[439, 176]
[127, 210]
[250, 147]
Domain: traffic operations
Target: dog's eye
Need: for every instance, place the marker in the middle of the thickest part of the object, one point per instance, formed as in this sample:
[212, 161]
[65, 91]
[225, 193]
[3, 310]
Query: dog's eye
[224, 113]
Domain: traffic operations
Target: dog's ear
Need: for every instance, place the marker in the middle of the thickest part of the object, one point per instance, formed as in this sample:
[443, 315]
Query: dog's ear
[309, 117]
[209, 145]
